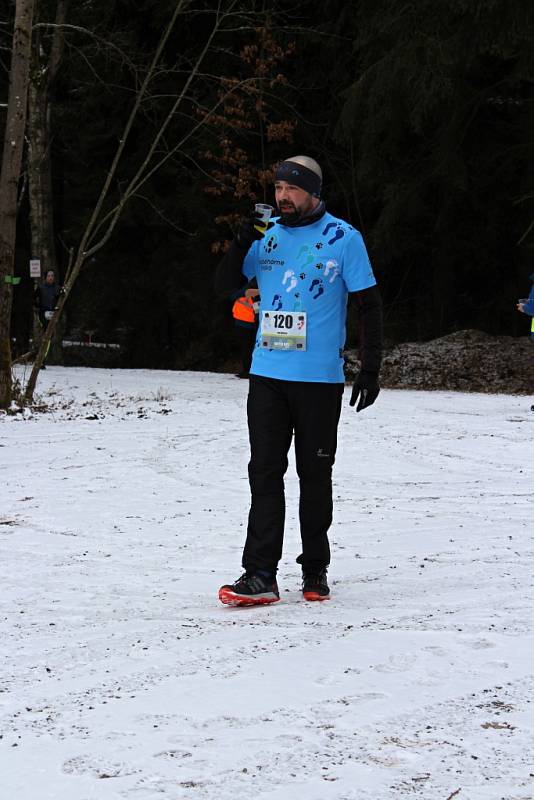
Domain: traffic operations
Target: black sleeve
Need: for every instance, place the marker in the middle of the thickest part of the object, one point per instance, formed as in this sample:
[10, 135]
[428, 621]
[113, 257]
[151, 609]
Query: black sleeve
[369, 305]
[229, 277]
[252, 284]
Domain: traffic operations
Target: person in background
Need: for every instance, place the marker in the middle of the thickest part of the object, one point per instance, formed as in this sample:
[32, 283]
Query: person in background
[46, 296]
[526, 306]
[307, 264]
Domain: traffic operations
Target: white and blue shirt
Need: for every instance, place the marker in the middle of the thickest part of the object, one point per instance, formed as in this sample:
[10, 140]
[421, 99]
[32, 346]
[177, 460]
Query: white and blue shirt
[309, 268]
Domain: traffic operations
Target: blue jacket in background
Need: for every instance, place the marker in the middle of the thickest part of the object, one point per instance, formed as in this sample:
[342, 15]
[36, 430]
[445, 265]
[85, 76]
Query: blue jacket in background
[528, 308]
[47, 295]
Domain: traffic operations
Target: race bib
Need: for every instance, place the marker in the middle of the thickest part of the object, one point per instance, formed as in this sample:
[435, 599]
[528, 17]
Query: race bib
[283, 330]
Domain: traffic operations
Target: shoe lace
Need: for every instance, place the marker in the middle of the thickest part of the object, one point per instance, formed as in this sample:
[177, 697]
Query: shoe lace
[254, 582]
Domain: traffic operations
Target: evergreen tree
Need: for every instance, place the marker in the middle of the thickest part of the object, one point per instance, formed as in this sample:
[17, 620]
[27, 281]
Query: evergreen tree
[439, 111]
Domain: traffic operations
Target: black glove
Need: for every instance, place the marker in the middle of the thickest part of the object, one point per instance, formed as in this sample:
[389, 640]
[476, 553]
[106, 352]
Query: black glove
[366, 388]
[248, 233]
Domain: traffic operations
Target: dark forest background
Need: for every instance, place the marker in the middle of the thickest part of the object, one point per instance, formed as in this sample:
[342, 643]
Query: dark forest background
[420, 113]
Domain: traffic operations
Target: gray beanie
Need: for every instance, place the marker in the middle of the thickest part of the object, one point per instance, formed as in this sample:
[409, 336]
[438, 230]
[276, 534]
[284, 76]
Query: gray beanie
[303, 172]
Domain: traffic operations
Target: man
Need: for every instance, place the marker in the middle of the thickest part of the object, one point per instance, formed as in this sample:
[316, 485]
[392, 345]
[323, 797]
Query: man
[305, 265]
[46, 296]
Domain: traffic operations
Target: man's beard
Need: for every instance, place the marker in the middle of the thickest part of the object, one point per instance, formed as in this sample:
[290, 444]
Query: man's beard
[290, 214]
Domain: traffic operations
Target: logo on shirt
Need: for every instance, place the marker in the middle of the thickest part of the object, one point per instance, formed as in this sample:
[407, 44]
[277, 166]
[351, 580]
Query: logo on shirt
[270, 243]
[266, 264]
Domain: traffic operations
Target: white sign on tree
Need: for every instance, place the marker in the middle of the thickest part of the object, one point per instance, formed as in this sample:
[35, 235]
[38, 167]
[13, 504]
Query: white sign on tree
[35, 267]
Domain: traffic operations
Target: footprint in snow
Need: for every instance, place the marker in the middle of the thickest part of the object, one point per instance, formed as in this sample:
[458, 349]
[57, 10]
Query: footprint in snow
[480, 644]
[436, 650]
[174, 755]
[397, 663]
[97, 767]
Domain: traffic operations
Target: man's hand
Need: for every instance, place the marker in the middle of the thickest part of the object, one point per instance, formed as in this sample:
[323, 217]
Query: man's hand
[366, 388]
[248, 232]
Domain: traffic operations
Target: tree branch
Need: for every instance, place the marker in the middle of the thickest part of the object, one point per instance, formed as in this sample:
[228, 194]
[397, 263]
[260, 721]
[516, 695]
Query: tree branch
[62, 26]
[140, 176]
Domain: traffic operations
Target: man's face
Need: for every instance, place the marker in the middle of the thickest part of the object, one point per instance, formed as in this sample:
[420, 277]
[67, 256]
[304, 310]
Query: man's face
[292, 201]
[50, 277]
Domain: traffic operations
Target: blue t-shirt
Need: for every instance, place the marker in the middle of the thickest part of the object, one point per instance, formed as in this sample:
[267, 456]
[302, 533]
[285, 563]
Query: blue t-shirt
[309, 268]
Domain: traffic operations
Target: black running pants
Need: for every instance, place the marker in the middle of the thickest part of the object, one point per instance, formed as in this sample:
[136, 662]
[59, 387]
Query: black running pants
[277, 410]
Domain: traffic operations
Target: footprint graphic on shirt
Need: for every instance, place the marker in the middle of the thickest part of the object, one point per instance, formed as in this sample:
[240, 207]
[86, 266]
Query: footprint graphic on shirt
[317, 284]
[332, 269]
[277, 302]
[297, 305]
[289, 276]
[271, 243]
[339, 234]
[307, 253]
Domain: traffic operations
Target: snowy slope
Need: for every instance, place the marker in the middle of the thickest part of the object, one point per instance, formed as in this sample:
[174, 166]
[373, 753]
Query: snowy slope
[123, 509]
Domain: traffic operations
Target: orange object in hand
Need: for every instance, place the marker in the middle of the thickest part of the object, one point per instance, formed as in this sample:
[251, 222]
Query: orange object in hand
[243, 310]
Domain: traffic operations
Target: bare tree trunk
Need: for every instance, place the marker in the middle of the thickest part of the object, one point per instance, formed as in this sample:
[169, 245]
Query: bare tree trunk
[99, 228]
[40, 98]
[39, 179]
[76, 264]
[9, 181]
[40, 176]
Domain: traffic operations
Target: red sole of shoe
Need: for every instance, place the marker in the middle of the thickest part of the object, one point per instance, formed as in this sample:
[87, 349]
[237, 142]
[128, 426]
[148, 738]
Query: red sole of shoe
[230, 599]
[315, 596]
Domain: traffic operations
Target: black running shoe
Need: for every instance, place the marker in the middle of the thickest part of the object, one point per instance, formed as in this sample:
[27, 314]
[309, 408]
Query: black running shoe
[250, 590]
[315, 585]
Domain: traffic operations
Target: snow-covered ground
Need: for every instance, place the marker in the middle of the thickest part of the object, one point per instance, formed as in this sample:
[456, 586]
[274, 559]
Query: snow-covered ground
[123, 509]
